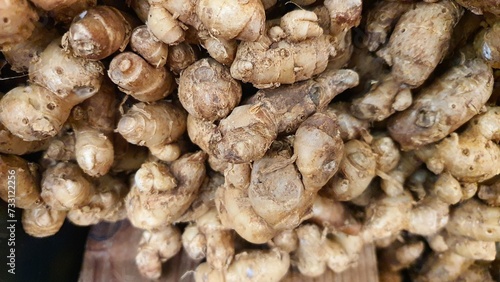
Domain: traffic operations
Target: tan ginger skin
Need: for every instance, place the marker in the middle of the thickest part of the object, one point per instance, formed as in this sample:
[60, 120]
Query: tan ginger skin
[18, 22]
[445, 105]
[42, 221]
[156, 247]
[248, 266]
[76, 76]
[487, 44]
[278, 191]
[144, 43]
[64, 10]
[11, 144]
[107, 204]
[24, 175]
[248, 132]
[207, 91]
[65, 186]
[350, 126]
[20, 54]
[471, 156]
[435, 24]
[93, 122]
[481, 6]
[280, 57]
[180, 56]
[161, 194]
[316, 251]
[31, 122]
[169, 121]
[209, 238]
[381, 20]
[97, 33]
[136, 77]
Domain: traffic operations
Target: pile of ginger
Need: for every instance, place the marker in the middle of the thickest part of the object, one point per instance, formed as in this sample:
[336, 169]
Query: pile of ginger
[261, 137]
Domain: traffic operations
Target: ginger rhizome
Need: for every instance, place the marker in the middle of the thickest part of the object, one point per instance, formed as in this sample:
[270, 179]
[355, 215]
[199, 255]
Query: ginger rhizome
[23, 189]
[43, 108]
[277, 192]
[144, 43]
[283, 56]
[161, 193]
[19, 55]
[445, 105]
[470, 156]
[247, 133]
[18, 22]
[155, 248]
[157, 126]
[208, 238]
[97, 33]
[93, 122]
[207, 91]
[136, 77]
[258, 265]
[65, 186]
[413, 63]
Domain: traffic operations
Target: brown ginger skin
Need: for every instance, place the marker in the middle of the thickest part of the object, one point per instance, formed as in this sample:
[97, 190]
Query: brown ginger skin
[380, 21]
[93, 123]
[42, 221]
[357, 169]
[11, 144]
[155, 248]
[207, 91]
[471, 156]
[413, 63]
[163, 24]
[385, 97]
[475, 220]
[233, 19]
[75, 76]
[316, 252]
[279, 57]
[156, 126]
[18, 22]
[98, 33]
[39, 114]
[144, 43]
[136, 77]
[248, 266]
[65, 187]
[487, 44]
[443, 106]
[278, 191]
[107, 204]
[490, 194]
[181, 56]
[64, 10]
[481, 6]
[161, 194]
[350, 126]
[20, 55]
[248, 132]
[21, 186]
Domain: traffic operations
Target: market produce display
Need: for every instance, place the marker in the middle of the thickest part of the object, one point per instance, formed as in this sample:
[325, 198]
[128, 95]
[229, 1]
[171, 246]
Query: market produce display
[260, 137]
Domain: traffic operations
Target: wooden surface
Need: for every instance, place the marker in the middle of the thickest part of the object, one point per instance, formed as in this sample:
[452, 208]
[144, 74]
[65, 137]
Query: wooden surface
[111, 250]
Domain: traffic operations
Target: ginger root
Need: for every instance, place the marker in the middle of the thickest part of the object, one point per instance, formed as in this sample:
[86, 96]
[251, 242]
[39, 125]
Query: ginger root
[207, 91]
[136, 77]
[160, 194]
[18, 22]
[97, 33]
[157, 126]
[21, 186]
[155, 248]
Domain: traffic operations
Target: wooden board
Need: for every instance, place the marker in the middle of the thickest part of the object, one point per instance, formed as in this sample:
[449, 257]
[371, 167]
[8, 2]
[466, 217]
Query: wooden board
[111, 249]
